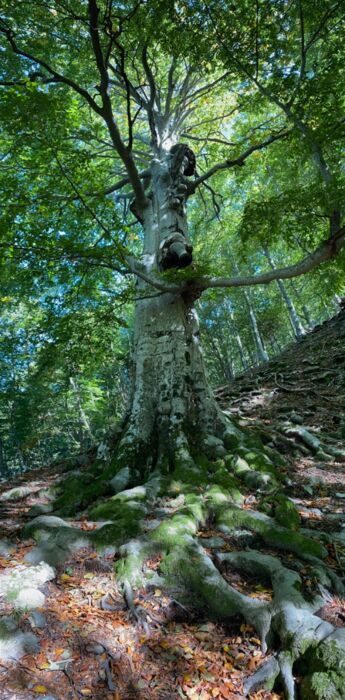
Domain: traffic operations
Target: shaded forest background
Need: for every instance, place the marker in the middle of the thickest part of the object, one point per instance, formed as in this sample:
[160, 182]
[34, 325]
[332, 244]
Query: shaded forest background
[66, 358]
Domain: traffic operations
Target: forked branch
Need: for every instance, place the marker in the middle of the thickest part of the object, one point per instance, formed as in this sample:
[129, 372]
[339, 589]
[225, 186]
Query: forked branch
[230, 163]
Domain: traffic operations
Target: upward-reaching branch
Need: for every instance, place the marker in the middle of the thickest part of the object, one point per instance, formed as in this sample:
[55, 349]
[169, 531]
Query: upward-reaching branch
[152, 98]
[230, 163]
[107, 111]
[171, 86]
[57, 77]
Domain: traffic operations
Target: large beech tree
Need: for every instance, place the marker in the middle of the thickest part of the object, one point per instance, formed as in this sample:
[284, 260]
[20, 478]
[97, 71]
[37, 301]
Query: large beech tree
[144, 88]
[140, 109]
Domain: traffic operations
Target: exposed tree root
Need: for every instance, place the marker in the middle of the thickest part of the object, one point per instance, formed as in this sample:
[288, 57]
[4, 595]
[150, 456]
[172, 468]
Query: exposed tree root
[288, 622]
[164, 516]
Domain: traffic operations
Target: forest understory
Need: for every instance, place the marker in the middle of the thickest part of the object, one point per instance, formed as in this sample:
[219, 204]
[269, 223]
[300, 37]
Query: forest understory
[226, 583]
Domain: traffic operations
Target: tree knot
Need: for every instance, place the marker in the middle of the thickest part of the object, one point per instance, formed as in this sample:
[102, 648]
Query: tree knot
[175, 251]
[183, 159]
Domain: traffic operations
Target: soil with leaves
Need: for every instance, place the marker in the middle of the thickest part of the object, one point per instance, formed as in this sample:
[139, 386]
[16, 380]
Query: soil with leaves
[226, 585]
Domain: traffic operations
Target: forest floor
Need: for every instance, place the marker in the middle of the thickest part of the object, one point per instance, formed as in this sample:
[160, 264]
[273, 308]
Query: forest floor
[83, 639]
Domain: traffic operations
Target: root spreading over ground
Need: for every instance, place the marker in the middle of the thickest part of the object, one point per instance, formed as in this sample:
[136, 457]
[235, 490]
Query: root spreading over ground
[221, 578]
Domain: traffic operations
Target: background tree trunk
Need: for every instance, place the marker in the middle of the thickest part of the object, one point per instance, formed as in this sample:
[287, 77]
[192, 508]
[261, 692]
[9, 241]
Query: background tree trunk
[261, 352]
[297, 327]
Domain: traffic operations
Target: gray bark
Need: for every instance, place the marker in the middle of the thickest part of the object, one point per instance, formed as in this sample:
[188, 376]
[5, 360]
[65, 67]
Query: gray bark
[84, 425]
[237, 338]
[4, 470]
[304, 308]
[171, 399]
[297, 327]
[261, 352]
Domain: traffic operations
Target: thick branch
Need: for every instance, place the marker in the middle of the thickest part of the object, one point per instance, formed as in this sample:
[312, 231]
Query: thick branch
[116, 186]
[153, 92]
[150, 78]
[171, 86]
[327, 250]
[136, 268]
[107, 111]
[225, 164]
[58, 77]
[316, 34]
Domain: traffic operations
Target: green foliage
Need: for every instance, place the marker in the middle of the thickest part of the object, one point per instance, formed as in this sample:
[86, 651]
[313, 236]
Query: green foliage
[255, 70]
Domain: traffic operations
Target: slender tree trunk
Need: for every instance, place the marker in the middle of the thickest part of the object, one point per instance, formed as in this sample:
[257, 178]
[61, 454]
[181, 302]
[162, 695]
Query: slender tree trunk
[223, 360]
[277, 345]
[234, 332]
[297, 327]
[261, 352]
[84, 425]
[304, 308]
[4, 470]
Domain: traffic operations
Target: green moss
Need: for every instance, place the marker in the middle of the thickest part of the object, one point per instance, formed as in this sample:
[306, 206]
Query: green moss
[259, 461]
[229, 461]
[233, 518]
[256, 480]
[113, 509]
[223, 478]
[242, 451]
[190, 474]
[177, 487]
[193, 571]
[217, 495]
[197, 509]
[327, 656]
[216, 465]
[275, 456]
[241, 467]
[130, 567]
[116, 533]
[232, 438]
[176, 530]
[260, 477]
[190, 498]
[320, 686]
[137, 493]
[78, 491]
[82, 489]
[286, 513]
[201, 460]
[260, 456]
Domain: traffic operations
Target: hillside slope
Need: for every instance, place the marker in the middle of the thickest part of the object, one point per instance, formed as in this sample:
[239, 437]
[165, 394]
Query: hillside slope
[301, 389]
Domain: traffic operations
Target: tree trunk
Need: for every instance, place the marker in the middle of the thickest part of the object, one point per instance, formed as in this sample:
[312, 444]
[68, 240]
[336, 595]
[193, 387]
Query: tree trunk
[4, 470]
[171, 401]
[85, 433]
[224, 361]
[304, 308]
[296, 325]
[261, 352]
[234, 331]
[276, 343]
